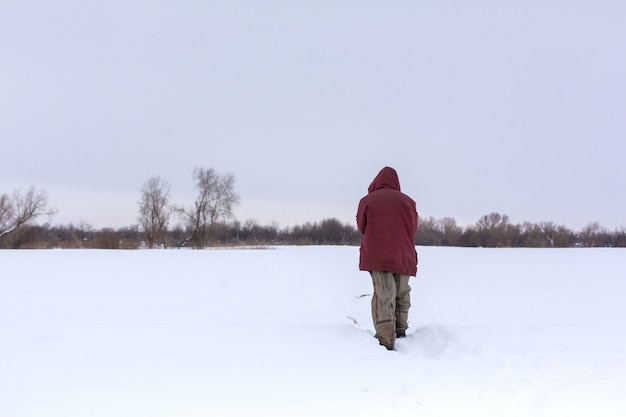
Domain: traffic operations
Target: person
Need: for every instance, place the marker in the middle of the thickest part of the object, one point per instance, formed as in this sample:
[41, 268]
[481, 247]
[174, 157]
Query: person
[387, 220]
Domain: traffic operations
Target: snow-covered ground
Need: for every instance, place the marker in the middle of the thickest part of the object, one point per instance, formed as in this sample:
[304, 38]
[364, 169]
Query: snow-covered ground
[271, 332]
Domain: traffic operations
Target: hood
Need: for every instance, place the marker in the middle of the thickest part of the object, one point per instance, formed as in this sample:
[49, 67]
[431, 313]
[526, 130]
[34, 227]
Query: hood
[386, 178]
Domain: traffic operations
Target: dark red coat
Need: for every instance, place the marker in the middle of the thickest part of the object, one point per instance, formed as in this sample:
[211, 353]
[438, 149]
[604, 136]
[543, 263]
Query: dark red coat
[387, 219]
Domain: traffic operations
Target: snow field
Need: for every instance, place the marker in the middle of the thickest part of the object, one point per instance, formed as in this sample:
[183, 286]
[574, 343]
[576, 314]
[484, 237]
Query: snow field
[268, 332]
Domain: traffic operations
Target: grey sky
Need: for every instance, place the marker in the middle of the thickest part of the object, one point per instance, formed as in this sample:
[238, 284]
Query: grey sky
[508, 106]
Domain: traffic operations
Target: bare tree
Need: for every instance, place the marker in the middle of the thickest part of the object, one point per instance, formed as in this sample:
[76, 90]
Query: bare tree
[428, 232]
[593, 235]
[493, 230]
[558, 236]
[450, 230]
[620, 237]
[215, 202]
[22, 209]
[154, 210]
[6, 215]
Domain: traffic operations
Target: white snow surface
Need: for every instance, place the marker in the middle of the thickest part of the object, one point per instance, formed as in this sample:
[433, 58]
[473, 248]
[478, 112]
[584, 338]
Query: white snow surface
[287, 331]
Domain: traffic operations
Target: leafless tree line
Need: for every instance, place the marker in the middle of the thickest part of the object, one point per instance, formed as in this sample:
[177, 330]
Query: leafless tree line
[214, 204]
[225, 233]
[209, 221]
[496, 230]
[487, 232]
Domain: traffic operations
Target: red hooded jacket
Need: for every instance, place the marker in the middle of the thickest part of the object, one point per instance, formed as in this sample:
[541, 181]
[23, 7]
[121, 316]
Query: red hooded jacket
[387, 219]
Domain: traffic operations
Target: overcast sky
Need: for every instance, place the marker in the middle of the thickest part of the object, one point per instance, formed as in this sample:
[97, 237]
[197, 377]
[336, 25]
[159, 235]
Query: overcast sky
[516, 107]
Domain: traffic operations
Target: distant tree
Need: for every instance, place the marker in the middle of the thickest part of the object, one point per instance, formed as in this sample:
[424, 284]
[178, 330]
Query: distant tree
[253, 233]
[178, 236]
[593, 235]
[85, 232]
[248, 230]
[428, 232]
[558, 236]
[333, 232]
[268, 233]
[154, 210]
[303, 234]
[469, 238]
[7, 216]
[513, 235]
[107, 238]
[63, 237]
[129, 237]
[21, 210]
[492, 230]
[620, 237]
[533, 236]
[548, 230]
[215, 202]
[451, 232]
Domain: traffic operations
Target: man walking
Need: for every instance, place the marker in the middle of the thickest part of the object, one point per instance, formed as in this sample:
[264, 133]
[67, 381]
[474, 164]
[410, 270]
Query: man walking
[387, 219]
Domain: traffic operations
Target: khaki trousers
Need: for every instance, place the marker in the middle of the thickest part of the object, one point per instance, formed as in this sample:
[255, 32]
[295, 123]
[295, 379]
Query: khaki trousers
[390, 305]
